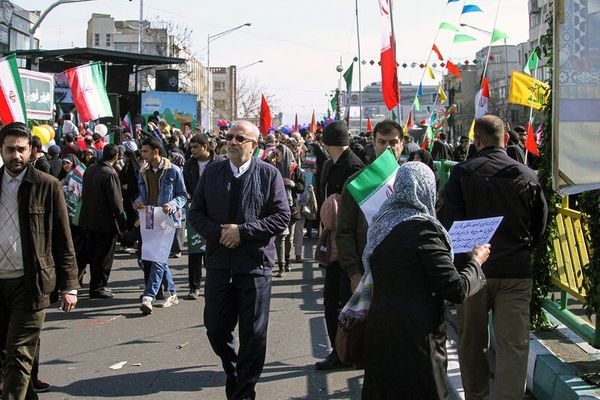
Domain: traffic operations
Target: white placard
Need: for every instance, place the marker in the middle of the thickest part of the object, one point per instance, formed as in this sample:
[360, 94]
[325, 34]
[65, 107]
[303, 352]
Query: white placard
[158, 230]
[467, 234]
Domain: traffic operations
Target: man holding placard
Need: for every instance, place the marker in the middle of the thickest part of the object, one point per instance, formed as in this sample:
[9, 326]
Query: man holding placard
[494, 185]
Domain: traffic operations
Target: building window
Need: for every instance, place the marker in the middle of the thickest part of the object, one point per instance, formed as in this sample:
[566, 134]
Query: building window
[96, 39]
[220, 104]
[108, 40]
[219, 86]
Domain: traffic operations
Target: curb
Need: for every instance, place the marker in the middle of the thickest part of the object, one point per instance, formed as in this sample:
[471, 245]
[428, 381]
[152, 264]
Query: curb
[548, 378]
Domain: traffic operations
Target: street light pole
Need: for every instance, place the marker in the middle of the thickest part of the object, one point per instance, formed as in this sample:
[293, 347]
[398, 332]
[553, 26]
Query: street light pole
[212, 38]
[41, 18]
[249, 65]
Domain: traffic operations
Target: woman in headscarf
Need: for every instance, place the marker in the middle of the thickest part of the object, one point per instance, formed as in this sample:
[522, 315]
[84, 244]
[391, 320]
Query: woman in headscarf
[69, 163]
[409, 273]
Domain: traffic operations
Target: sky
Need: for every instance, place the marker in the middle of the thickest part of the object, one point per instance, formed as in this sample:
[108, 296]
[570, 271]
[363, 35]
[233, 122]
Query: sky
[301, 42]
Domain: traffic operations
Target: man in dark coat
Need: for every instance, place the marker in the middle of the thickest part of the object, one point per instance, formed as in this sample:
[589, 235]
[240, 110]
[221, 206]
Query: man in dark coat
[238, 207]
[440, 149]
[37, 256]
[54, 160]
[489, 185]
[193, 169]
[102, 218]
[336, 171]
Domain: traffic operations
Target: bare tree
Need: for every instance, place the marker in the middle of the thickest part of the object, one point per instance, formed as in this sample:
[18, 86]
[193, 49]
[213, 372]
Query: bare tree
[167, 39]
[249, 93]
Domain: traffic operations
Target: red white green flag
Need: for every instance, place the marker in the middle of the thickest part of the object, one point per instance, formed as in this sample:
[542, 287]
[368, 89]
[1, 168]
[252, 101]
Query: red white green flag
[12, 102]
[89, 92]
[389, 71]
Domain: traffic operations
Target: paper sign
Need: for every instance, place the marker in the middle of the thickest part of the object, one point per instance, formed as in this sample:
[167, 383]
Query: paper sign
[158, 230]
[467, 234]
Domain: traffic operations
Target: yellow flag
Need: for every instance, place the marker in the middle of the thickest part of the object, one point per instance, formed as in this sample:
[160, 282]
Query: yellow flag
[472, 130]
[430, 72]
[527, 91]
[442, 94]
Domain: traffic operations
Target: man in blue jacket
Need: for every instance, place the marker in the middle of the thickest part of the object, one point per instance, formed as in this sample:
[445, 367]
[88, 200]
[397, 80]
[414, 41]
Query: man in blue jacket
[161, 185]
[239, 206]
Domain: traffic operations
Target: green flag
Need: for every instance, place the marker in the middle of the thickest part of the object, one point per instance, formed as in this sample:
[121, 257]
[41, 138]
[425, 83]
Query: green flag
[417, 104]
[448, 26]
[498, 35]
[461, 37]
[333, 103]
[394, 117]
[532, 62]
[348, 78]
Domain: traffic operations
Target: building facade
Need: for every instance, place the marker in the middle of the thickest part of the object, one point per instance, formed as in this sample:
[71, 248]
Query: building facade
[15, 24]
[224, 92]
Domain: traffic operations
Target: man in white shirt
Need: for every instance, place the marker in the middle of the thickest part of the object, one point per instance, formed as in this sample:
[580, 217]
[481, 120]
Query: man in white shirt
[36, 256]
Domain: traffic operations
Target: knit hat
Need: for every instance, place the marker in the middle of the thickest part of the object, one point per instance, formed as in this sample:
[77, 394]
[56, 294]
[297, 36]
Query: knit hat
[53, 151]
[336, 134]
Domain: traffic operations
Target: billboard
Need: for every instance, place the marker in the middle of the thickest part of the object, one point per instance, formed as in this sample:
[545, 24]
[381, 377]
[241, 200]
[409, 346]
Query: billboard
[38, 91]
[576, 96]
[175, 108]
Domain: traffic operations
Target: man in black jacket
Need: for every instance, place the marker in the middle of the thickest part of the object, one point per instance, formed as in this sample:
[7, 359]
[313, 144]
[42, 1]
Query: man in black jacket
[239, 206]
[336, 171]
[193, 169]
[102, 218]
[490, 185]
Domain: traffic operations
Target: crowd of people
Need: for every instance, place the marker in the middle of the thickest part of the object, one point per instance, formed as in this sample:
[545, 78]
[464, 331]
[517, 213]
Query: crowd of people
[247, 201]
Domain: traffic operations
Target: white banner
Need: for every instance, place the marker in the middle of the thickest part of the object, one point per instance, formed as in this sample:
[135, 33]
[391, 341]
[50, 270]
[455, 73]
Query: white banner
[158, 230]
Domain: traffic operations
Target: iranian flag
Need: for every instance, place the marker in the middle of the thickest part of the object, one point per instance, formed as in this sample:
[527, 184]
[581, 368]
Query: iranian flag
[389, 72]
[482, 98]
[89, 92]
[12, 102]
[374, 184]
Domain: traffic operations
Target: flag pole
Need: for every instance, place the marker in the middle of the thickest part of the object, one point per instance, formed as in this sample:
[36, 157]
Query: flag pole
[394, 47]
[360, 109]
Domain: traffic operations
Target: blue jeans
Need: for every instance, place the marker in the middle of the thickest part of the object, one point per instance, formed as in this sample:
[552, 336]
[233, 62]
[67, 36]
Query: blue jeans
[158, 273]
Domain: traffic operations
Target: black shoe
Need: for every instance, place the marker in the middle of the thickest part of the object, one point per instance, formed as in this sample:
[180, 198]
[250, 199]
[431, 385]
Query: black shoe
[287, 267]
[330, 363]
[101, 294]
[40, 386]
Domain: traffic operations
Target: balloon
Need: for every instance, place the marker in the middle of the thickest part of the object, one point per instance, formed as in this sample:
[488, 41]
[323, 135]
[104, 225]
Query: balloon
[42, 133]
[51, 130]
[47, 145]
[101, 130]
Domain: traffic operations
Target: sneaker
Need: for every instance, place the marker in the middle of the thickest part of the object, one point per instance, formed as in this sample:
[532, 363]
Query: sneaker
[194, 294]
[169, 301]
[40, 386]
[175, 255]
[146, 307]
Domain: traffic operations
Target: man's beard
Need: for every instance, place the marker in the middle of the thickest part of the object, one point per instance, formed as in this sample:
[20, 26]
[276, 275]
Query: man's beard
[16, 167]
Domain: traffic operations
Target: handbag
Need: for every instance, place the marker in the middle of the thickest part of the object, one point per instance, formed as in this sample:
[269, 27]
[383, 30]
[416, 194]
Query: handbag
[349, 340]
[323, 248]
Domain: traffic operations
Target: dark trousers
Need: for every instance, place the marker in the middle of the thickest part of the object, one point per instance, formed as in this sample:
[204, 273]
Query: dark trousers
[195, 261]
[19, 333]
[178, 240]
[336, 294]
[229, 299]
[99, 251]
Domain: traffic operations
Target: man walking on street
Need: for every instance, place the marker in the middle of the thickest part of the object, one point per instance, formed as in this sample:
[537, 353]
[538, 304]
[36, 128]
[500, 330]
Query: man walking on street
[36, 256]
[161, 185]
[238, 207]
[102, 218]
[489, 185]
[336, 171]
[193, 169]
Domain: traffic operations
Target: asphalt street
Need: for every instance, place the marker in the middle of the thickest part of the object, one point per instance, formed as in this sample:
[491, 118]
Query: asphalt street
[166, 355]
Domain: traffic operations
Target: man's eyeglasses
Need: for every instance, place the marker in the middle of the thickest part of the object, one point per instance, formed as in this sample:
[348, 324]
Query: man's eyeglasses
[238, 138]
